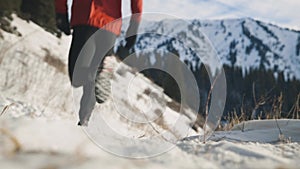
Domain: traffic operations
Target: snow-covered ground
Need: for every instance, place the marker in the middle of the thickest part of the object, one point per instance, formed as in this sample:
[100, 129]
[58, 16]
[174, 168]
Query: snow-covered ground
[60, 144]
[38, 129]
[33, 71]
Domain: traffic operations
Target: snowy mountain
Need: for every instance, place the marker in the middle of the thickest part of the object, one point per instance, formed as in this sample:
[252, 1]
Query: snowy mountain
[245, 43]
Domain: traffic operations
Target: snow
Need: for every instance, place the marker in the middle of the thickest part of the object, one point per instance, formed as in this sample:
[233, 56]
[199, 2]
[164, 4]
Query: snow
[42, 120]
[27, 78]
[283, 44]
[188, 37]
[62, 144]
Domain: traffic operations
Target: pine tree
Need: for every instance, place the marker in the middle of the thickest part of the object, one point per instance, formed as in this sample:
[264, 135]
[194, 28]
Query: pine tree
[41, 12]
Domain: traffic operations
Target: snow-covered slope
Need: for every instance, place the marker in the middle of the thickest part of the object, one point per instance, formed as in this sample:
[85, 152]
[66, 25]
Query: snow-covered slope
[245, 43]
[35, 82]
[33, 71]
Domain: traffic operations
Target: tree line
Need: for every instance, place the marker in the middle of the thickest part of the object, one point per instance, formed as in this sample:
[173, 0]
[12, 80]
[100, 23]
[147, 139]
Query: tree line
[41, 12]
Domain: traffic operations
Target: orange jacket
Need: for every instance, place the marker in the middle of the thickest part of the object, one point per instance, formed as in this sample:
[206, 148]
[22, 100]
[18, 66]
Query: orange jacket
[98, 13]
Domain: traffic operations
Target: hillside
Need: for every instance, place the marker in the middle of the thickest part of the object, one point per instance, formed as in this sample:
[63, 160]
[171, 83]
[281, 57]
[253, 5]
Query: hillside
[252, 53]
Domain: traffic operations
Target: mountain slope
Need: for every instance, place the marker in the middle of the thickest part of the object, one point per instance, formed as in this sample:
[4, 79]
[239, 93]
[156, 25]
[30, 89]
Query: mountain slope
[36, 84]
[245, 43]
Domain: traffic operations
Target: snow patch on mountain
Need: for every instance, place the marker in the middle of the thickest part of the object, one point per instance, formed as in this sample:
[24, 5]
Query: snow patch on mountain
[245, 43]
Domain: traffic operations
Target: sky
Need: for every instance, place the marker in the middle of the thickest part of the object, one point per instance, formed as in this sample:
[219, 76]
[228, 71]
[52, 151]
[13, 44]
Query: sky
[284, 13]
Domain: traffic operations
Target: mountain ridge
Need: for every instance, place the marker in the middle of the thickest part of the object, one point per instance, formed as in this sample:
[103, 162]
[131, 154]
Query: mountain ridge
[245, 43]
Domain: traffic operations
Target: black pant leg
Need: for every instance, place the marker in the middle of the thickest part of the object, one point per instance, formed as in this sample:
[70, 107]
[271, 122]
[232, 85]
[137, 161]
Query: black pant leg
[81, 34]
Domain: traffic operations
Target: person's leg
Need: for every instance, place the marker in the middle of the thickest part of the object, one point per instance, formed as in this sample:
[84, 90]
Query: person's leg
[104, 41]
[87, 103]
[105, 44]
[91, 56]
[81, 34]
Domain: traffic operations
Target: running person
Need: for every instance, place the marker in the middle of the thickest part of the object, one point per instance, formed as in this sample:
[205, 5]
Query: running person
[87, 17]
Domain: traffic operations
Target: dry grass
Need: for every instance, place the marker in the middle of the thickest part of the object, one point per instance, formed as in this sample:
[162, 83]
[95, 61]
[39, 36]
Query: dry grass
[13, 139]
[6, 47]
[1, 35]
[5, 109]
[5, 132]
[295, 110]
[59, 65]
[275, 112]
[174, 105]
[207, 107]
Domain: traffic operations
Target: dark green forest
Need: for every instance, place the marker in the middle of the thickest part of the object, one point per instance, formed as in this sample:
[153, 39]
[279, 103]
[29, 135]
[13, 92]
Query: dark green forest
[255, 95]
[42, 12]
